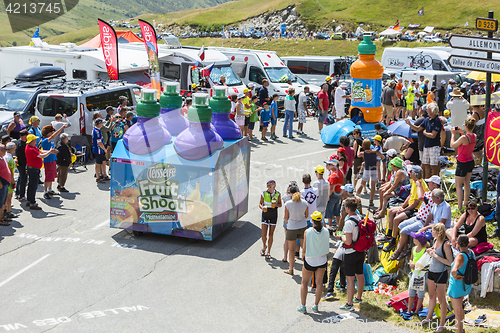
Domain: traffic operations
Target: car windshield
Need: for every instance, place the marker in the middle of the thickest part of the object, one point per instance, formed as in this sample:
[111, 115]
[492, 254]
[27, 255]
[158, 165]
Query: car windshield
[232, 79]
[301, 80]
[280, 74]
[14, 100]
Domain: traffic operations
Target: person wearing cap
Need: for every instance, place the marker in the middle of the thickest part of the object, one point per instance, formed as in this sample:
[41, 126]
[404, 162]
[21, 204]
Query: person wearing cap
[194, 88]
[340, 99]
[388, 102]
[331, 90]
[464, 90]
[34, 162]
[302, 110]
[247, 105]
[5, 181]
[35, 128]
[458, 107]
[323, 105]
[60, 120]
[290, 113]
[451, 85]
[370, 170]
[240, 113]
[99, 151]
[15, 126]
[441, 96]
[335, 179]
[398, 180]
[323, 188]
[251, 86]
[315, 250]
[21, 166]
[479, 114]
[49, 162]
[377, 142]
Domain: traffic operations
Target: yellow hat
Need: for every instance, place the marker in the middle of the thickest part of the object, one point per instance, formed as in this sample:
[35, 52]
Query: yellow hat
[194, 86]
[316, 216]
[377, 137]
[446, 112]
[30, 138]
[33, 119]
[246, 90]
[320, 169]
[328, 78]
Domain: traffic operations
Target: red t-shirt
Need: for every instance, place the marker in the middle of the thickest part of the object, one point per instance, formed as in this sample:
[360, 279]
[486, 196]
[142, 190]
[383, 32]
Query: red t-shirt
[336, 179]
[324, 96]
[32, 159]
[4, 170]
[349, 153]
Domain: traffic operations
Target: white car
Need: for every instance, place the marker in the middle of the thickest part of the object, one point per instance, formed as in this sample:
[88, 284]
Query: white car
[432, 39]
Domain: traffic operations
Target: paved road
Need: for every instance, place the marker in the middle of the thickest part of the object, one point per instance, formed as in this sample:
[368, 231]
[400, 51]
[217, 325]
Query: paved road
[64, 270]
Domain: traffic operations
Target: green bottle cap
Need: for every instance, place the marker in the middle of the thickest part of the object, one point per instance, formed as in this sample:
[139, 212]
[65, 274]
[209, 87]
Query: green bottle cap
[367, 46]
[200, 111]
[219, 102]
[148, 107]
[171, 99]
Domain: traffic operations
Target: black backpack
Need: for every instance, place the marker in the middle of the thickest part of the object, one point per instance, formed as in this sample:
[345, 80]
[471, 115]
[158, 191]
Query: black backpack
[471, 274]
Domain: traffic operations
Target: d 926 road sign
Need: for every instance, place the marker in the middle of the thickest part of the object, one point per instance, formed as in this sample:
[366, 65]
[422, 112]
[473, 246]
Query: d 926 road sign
[486, 24]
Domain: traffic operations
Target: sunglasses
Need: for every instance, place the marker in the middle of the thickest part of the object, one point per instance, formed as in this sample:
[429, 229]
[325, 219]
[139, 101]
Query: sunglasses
[471, 208]
[271, 182]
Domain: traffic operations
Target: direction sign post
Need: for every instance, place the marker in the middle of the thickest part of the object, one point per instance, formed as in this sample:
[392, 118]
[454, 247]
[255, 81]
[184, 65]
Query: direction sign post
[487, 107]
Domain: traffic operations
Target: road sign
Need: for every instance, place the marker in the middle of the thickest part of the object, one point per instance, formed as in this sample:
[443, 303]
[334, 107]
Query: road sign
[486, 24]
[475, 64]
[475, 43]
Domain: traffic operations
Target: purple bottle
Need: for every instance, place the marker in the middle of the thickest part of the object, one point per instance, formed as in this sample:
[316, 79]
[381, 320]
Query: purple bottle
[221, 108]
[147, 135]
[199, 140]
[171, 103]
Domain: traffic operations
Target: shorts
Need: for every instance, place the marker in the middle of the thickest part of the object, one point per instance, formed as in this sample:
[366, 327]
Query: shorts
[50, 171]
[463, 168]
[420, 293]
[251, 125]
[269, 219]
[340, 113]
[100, 158]
[247, 121]
[265, 123]
[333, 205]
[479, 131]
[322, 116]
[240, 122]
[313, 268]
[4, 191]
[292, 235]
[370, 175]
[274, 121]
[388, 111]
[403, 102]
[438, 278]
[421, 154]
[411, 225]
[302, 116]
[410, 213]
[357, 165]
[431, 155]
[353, 263]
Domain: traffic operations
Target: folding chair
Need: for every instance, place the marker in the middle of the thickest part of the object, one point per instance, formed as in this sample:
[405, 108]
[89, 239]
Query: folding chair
[448, 183]
[81, 157]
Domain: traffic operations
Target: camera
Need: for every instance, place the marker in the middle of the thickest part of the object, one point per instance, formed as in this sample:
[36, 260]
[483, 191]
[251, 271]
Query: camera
[457, 128]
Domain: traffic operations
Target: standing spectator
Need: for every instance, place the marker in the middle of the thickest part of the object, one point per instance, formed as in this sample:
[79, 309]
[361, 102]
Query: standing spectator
[479, 114]
[416, 127]
[15, 126]
[109, 113]
[457, 289]
[441, 97]
[464, 91]
[63, 162]
[11, 163]
[21, 166]
[388, 103]
[270, 201]
[335, 179]
[399, 99]
[128, 119]
[451, 86]
[222, 81]
[349, 154]
[331, 90]
[323, 189]
[247, 105]
[289, 113]
[310, 195]
[465, 158]
[431, 95]
[274, 116]
[49, 162]
[34, 162]
[357, 147]
[35, 129]
[5, 179]
[253, 118]
[240, 113]
[99, 150]
[122, 105]
[324, 104]
[106, 128]
[117, 132]
[340, 96]
[458, 107]
[314, 255]
[59, 121]
[353, 260]
[370, 171]
[265, 115]
[234, 101]
[264, 93]
[302, 110]
[296, 214]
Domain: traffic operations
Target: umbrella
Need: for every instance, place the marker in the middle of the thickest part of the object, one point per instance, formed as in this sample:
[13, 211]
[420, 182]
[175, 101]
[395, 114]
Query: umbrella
[481, 76]
[400, 127]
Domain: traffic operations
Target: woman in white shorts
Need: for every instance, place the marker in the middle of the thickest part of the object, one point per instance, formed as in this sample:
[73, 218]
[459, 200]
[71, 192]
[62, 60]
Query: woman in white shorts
[240, 113]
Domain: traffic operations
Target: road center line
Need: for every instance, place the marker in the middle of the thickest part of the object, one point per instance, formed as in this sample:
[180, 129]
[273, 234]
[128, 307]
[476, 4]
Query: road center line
[291, 157]
[24, 270]
[101, 225]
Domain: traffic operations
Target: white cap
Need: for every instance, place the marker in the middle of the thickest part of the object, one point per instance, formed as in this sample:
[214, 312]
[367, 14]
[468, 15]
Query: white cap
[241, 95]
[435, 179]
[392, 152]
[251, 85]
[343, 85]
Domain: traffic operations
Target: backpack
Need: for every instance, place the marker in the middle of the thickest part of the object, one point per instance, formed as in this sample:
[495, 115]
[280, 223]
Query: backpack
[471, 274]
[366, 236]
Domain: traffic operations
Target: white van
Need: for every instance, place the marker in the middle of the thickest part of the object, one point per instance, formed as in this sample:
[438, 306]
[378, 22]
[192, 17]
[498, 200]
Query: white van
[399, 58]
[256, 65]
[79, 99]
[315, 69]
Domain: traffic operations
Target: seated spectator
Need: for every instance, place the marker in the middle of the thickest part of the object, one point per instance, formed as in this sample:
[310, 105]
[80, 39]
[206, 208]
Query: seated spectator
[440, 213]
[399, 179]
[474, 224]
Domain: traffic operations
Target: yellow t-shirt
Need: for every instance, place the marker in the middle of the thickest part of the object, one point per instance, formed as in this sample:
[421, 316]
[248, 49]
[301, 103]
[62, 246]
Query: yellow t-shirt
[414, 194]
[246, 101]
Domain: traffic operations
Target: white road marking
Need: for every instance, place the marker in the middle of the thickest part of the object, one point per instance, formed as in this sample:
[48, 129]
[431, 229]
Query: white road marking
[24, 270]
[100, 225]
[292, 157]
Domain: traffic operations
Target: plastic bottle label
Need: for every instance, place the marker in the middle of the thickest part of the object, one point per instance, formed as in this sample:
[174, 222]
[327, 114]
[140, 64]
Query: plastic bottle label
[366, 93]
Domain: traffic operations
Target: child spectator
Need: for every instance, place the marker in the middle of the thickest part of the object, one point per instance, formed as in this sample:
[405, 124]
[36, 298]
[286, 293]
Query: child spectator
[11, 163]
[189, 102]
[377, 143]
[118, 130]
[254, 117]
[234, 100]
[240, 114]
[49, 162]
[274, 116]
[348, 192]
[98, 150]
[128, 119]
[289, 113]
[270, 201]
[369, 169]
[335, 180]
[63, 162]
[265, 115]
[323, 189]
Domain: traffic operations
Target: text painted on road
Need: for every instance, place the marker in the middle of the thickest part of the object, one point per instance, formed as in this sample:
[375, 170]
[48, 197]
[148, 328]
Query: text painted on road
[75, 240]
[65, 319]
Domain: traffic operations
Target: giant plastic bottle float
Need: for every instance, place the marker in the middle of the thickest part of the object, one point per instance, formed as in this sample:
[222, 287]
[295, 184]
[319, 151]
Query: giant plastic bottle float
[221, 108]
[147, 135]
[171, 104]
[199, 140]
[366, 73]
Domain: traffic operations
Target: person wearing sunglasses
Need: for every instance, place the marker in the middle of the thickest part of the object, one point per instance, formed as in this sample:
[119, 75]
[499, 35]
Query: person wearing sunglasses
[474, 224]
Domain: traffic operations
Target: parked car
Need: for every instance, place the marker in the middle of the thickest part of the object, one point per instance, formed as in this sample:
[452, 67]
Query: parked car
[408, 38]
[322, 35]
[338, 36]
[432, 39]
[372, 33]
[204, 35]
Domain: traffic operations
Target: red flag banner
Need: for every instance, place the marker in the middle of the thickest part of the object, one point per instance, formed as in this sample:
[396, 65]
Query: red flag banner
[109, 46]
[492, 138]
[150, 40]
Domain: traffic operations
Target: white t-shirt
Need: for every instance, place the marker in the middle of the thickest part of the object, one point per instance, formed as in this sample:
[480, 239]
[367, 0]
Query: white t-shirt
[351, 228]
[323, 194]
[339, 100]
[395, 142]
[302, 100]
[296, 218]
[458, 111]
[310, 195]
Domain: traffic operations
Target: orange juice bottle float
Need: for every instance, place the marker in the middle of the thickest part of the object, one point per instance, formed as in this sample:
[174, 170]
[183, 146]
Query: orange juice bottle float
[366, 74]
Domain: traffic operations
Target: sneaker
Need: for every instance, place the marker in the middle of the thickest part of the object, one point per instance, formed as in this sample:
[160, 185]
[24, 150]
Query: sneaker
[303, 134]
[384, 239]
[52, 192]
[302, 308]
[35, 207]
[275, 136]
[40, 182]
[312, 290]
[28, 203]
[319, 132]
[391, 246]
[347, 307]
[328, 296]
[315, 309]
[342, 290]
[356, 300]
[64, 190]
[23, 199]
[291, 137]
[47, 195]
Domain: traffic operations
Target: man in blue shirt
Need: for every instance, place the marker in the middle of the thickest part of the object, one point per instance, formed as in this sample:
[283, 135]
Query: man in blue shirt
[99, 150]
[274, 116]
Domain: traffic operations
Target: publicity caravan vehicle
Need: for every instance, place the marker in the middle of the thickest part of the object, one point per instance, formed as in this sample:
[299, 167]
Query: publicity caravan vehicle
[315, 69]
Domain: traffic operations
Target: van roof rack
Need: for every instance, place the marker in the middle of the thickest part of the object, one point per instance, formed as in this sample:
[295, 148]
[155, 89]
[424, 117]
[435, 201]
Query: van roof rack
[83, 85]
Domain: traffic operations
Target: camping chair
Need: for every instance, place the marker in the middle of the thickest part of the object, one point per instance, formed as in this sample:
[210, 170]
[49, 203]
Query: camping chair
[81, 157]
[448, 183]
